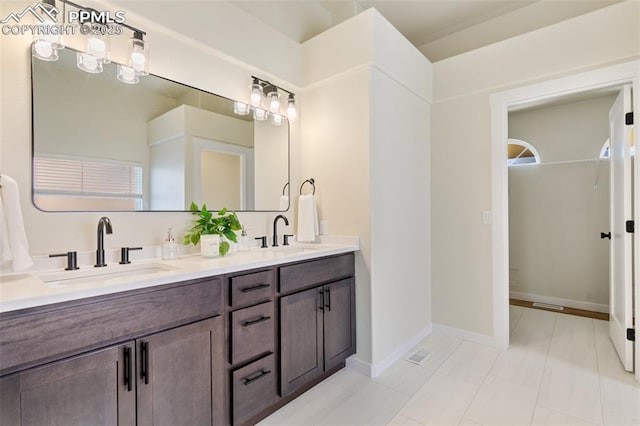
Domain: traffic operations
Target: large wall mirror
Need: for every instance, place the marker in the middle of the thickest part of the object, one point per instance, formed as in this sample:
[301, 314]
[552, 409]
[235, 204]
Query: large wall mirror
[103, 145]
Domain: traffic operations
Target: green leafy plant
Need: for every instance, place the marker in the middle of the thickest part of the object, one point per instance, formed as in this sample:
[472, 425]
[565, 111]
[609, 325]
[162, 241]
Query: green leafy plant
[208, 223]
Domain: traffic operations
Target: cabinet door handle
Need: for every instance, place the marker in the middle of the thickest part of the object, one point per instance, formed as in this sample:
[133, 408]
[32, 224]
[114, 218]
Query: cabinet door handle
[144, 363]
[260, 375]
[127, 368]
[321, 294]
[256, 321]
[328, 303]
[255, 287]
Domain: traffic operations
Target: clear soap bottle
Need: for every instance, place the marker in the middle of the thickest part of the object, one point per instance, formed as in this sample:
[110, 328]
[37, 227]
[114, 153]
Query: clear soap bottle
[169, 247]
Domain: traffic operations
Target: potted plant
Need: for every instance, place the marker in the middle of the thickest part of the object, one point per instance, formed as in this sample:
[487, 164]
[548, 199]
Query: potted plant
[214, 230]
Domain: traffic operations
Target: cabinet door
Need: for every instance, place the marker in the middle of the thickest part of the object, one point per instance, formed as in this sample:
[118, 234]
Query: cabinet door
[180, 375]
[300, 338]
[90, 389]
[339, 322]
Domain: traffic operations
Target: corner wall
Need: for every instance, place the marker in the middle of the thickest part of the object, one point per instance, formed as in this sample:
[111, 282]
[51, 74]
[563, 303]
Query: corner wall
[462, 291]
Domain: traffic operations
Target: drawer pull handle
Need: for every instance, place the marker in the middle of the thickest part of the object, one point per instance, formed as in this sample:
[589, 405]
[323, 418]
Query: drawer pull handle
[144, 364]
[260, 375]
[321, 294]
[127, 368]
[256, 321]
[255, 287]
[328, 303]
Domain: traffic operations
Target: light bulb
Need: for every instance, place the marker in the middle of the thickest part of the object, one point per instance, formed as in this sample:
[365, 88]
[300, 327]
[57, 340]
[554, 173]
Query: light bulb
[96, 47]
[89, 63]
[259, 114]
[292, 112]
[276, 119]
[274, 102]
[139, 54]
[256, 95]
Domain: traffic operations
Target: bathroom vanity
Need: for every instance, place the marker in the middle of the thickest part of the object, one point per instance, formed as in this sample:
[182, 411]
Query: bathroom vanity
[222, 341]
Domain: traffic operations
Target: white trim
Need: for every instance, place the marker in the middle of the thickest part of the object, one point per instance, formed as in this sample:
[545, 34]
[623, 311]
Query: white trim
[569, 303]
[619, 74]
[374, 370]
[469, 336]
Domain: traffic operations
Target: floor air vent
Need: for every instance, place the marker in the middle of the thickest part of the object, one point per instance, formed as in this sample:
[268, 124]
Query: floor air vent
[418, 356]
[548, 306]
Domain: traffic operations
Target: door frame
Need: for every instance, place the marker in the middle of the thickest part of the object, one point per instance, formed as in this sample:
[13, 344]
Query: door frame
[619, 74]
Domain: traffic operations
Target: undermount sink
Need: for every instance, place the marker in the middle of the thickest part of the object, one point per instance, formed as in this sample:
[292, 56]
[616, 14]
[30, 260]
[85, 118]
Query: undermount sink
[295, 249]
[104, 275]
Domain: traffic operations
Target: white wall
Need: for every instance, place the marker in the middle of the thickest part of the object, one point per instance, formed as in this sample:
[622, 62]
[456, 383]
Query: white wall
[462, 287]
[367, 147]
[173, 56]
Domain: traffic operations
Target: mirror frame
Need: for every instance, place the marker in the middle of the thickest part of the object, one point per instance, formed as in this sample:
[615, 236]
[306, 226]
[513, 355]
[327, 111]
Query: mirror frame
[33, 151]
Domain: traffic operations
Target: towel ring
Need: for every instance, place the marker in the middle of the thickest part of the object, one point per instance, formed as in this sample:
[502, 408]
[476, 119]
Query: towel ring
[312, 181]
[284, 188]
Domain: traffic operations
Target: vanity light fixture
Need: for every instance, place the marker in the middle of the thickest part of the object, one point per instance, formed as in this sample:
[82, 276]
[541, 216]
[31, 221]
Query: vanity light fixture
[97, 50]
[45, 46]
[261, 89]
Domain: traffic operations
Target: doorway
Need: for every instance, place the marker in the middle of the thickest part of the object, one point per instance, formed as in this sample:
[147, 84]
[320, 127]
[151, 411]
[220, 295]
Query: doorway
[500, 104]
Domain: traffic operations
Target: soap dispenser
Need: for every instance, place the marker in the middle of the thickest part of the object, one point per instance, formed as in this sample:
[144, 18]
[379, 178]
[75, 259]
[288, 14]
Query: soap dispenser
[245, 241]
[170, 247]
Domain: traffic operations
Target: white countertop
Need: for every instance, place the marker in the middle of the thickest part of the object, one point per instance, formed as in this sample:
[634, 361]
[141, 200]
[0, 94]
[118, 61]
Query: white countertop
[27, 290]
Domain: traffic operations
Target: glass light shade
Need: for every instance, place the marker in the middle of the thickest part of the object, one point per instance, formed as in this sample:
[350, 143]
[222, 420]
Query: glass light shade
[241, 108]
[292, 112]
[45, 46]
[276, 119]
[274, 102]
[256, 95]
[259, 114]
[139, 55]
[127, 75]
[89, 63]
[98, 46]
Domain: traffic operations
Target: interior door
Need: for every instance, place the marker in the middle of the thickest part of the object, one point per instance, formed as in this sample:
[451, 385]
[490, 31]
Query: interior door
[621, 277]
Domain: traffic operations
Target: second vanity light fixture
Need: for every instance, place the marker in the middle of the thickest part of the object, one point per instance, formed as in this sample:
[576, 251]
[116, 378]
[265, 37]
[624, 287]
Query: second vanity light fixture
[265, 102]
[97, 49]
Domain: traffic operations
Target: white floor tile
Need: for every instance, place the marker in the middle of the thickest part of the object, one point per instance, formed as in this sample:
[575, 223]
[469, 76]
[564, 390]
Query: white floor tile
[515, 313]
[309, 407]
[617, 419]
[520, 365]
[467, 422]
[573, 343]
[372, 405]
[500, 402]
[439, 345]
[349, 380]
[572, 390]
[406, 377]
[534, 330]
[545, 417]
[400, 420]
[443, 400]
[470, 362]
[621, 397]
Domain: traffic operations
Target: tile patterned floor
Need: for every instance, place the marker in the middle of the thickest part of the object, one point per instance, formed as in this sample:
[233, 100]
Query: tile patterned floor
[559, 370]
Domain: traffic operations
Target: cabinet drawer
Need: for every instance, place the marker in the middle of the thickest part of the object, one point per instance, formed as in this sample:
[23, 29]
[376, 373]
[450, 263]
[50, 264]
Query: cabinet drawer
[254, 389]
[250, 289]
[252, 332]
[306, 274]
[40, 335]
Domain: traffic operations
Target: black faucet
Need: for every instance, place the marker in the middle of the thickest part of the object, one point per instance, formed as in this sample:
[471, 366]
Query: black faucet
[103, 224]
[275, 228]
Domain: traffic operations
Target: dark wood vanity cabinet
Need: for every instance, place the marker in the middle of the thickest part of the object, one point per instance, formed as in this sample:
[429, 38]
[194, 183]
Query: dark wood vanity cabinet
[169, 377]
[219, 350]
[317, 325]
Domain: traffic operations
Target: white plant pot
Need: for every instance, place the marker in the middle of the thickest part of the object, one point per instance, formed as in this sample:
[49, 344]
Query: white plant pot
[210, 245]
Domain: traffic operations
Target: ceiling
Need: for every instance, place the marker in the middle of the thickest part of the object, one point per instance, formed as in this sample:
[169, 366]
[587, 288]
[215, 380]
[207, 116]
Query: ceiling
[438, 28]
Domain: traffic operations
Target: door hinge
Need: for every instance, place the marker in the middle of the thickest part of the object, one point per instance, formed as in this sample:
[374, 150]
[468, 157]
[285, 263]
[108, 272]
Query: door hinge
[628, 118]
[631, 334]
[630, 226]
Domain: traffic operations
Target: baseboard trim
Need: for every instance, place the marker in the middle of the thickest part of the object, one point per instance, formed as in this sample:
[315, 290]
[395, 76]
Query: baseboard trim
[374, 370]
[577, 304]
[467, 335]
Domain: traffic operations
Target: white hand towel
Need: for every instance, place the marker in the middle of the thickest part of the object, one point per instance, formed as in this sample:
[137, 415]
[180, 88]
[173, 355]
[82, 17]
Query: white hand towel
[284, 202]
[307, 219]
[14, 246]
